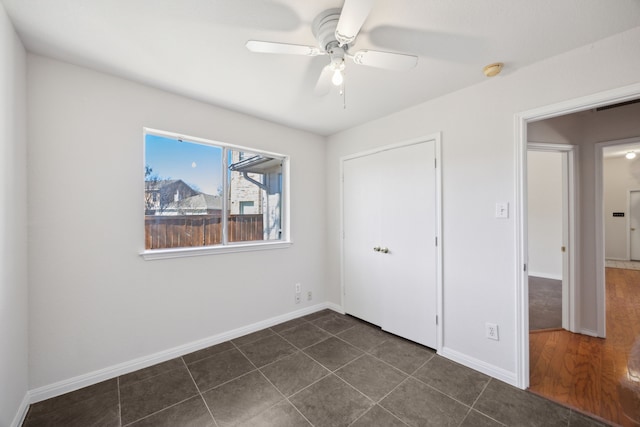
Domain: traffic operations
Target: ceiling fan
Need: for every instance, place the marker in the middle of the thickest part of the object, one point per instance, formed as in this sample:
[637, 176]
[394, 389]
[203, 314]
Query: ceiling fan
[336, 30]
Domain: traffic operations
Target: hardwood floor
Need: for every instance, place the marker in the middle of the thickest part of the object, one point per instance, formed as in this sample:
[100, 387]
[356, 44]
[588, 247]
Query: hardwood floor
[581, 371]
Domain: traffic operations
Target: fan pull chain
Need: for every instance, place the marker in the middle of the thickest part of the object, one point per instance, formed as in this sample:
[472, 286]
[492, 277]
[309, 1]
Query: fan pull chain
[344, 96]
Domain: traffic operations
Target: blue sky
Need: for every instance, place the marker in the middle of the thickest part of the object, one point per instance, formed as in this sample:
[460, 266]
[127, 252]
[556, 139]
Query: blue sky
[197, 164]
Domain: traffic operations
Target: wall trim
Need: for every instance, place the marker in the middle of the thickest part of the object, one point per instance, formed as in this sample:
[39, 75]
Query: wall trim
[589, 332]
[21, 413]
[480, 366]
[90, 378]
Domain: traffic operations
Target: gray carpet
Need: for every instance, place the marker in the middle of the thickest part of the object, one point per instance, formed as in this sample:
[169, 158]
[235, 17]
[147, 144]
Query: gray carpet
[545, 303]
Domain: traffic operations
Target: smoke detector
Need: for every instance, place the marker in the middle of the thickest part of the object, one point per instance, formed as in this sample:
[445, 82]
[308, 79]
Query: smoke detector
[492, 70]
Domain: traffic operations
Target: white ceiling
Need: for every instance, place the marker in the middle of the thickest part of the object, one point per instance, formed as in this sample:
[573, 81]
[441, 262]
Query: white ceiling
[620, 150]
[197, 47]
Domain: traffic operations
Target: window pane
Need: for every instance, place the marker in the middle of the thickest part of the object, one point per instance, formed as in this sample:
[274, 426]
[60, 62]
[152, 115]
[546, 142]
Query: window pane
[183, 193]
[255, 197]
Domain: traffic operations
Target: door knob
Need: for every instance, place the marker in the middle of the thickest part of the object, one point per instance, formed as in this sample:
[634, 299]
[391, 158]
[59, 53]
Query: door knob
[377, 249]
[633, 229]
[384, 250]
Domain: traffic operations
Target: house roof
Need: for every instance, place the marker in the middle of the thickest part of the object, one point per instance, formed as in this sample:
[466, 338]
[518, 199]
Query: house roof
[198, 202]
[197, 48]
[158, 184]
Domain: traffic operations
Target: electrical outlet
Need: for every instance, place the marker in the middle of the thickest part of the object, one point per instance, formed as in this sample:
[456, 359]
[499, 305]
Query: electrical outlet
[297, 296]
[297, 288]
[309, 296]
[491, 331]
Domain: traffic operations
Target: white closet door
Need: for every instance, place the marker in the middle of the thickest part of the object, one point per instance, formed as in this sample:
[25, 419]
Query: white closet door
[361, 216]
[389, 202]
[409, 232]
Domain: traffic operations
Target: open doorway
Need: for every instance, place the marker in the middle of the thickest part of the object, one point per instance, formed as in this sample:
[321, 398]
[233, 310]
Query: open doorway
[582, 368]
[551, 192]
[620, 161]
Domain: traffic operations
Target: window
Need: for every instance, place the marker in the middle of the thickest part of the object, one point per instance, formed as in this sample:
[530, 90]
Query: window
[205, 197]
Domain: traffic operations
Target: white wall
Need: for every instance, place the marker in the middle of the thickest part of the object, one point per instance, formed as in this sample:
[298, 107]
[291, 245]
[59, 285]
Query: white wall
[13, 225]
[94, 301]
[477, 126]
[544, 186]
[620, 176]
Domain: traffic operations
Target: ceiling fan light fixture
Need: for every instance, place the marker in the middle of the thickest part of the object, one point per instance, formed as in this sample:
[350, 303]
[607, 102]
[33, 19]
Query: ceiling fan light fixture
[337, 79]
[334, 30]
[337, 66]
[492, 70]
[630, 155]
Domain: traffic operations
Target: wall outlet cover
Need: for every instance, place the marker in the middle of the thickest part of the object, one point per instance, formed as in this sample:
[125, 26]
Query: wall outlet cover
[491, 331]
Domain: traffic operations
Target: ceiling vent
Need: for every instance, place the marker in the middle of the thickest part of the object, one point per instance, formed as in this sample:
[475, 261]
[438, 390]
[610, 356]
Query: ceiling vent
[620, 104]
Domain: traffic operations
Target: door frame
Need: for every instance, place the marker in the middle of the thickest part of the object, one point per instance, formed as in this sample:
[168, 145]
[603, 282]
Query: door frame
[599, 159]
[436, 138]
[628, 222]
[521, 121]
[570, 227]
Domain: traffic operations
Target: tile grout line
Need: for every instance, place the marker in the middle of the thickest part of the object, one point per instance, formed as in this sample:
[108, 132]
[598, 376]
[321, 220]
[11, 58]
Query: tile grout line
[441, 392]
[285, 398]
[199, 391]
[150, 376]
[465, 416]
[232, 379]
[170, 406]
[384, 409]
[119, 402]
[478, 398]
[159, 410]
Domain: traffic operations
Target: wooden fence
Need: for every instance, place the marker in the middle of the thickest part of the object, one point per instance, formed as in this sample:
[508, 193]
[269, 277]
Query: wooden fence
[181, 231]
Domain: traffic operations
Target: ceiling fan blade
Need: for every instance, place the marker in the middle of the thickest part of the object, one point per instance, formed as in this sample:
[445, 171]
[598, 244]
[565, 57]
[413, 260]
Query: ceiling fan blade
[386, 60]
[285, 48]
[323, 86]
[354, 13]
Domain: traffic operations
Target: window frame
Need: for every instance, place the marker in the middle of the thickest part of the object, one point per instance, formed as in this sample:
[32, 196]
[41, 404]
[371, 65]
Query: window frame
[225, 246]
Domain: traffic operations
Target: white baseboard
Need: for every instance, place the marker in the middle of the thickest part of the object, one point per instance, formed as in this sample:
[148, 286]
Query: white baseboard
[21, 414]
[334, 307]
[480, 366]
[545, 275]
[589, 332]
[80, 381]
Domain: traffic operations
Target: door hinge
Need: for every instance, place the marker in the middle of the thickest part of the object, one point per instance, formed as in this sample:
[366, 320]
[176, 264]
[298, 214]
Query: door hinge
[525, 267]
[436, 240]
[435, 163]
[436, 319]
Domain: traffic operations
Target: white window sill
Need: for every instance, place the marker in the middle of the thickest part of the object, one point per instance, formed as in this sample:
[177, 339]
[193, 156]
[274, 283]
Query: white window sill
[149, 255]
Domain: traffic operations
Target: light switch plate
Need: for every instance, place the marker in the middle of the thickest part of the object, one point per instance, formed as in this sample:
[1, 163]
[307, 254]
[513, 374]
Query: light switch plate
[502, 210]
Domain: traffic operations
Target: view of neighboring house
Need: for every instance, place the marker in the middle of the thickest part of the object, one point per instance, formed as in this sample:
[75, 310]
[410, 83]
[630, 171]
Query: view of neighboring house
[256, 188]
[245, 194]
[160, 194]
[200, 204]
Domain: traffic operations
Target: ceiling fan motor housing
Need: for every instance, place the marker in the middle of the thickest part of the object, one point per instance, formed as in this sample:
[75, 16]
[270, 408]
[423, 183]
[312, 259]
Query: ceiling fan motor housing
[324, 30]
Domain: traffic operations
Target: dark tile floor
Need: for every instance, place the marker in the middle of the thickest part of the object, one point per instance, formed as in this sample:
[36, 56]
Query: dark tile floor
[324, 369]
